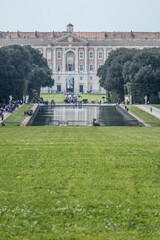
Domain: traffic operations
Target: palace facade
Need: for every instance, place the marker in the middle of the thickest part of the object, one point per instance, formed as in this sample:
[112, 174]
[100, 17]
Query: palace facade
[74, 57]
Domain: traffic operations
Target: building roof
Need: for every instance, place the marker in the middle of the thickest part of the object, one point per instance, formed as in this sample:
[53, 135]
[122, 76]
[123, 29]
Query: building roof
[69, 25]
[86, 35]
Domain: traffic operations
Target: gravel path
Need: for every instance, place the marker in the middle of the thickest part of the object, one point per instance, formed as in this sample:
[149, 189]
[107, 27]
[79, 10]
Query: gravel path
[147, 108]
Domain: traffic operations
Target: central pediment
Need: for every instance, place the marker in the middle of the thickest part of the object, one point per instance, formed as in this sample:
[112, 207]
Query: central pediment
[70, 38]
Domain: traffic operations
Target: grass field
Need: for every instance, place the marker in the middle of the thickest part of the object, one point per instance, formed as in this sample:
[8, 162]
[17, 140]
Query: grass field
[156, 105]
[17, 116]
[146, 117]
[79, 183]
[59, 98]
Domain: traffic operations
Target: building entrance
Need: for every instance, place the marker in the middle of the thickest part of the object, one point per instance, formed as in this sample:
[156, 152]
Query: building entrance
[70, 84]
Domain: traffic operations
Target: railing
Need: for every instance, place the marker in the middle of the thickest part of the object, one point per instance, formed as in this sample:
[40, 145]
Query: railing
[78, 123]
[70, 68]
[90, 123]
[53, 123]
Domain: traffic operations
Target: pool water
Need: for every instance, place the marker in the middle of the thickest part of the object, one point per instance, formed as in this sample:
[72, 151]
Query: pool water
[68, 115]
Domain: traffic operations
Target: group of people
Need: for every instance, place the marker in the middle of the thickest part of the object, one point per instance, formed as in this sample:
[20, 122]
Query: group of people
[29, 113]
[126, 108]
[9, 107]
[71, 98]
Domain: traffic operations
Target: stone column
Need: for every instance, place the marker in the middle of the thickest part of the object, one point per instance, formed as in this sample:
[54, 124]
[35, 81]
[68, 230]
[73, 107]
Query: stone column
[104, 55]
[64, 60]
[54, 59]
[86, 70]
[95, 58]
[86, 59]
[44, 52]
[76, 60]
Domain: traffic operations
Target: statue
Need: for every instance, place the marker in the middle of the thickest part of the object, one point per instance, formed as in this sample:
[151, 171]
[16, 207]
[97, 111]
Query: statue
[145, 99]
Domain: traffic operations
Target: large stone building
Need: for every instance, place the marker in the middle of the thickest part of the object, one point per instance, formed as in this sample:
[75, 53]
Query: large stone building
[74, 57]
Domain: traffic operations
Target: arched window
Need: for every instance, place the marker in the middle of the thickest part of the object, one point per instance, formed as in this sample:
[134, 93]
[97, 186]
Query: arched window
[70, 61]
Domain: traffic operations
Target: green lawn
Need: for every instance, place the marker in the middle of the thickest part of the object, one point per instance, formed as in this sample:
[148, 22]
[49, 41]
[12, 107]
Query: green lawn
[146, 117]
[156, 105]
[79, 183]
[17, 116]
[59, 98]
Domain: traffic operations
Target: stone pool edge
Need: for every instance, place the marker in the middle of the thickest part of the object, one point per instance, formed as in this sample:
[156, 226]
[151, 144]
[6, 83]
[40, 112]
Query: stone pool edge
[133, 116]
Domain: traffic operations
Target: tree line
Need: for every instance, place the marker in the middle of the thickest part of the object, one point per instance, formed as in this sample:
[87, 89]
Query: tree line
[131, 72]
[23, 71]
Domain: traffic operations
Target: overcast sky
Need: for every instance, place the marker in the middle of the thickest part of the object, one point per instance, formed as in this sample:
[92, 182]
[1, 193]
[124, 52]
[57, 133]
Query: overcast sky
[85, 15]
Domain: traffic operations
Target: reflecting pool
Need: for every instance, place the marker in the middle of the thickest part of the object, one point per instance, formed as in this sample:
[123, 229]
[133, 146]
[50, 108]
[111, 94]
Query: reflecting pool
[68, 115]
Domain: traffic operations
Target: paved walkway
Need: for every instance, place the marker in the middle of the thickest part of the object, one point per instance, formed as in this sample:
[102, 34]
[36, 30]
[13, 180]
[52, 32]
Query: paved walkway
[147, 108]
[6, 114]
[27, 118]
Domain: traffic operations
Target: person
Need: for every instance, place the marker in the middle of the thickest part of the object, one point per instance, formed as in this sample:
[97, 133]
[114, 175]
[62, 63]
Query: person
[150, 109]
[2, 116]
[52, 102]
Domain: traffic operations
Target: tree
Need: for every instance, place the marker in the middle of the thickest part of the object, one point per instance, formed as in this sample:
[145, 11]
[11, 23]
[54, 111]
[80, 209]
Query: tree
[110, 73]
[22, 70]
[143, 74]
[40, 76]
[14, 65]
[133, 72]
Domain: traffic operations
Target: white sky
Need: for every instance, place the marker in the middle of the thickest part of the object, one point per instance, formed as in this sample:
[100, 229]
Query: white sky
[85, 15]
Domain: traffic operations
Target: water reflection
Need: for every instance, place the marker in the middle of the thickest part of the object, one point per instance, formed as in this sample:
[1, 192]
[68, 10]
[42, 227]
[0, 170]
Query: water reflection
[81, 115]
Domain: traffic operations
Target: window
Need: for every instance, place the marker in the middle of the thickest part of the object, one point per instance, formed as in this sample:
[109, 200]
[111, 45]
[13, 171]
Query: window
[90, 78]
[58, 88]
[58, 67]
[99, 65]
[91, 67]
[91, 55]
[59, 55]
[48, 54]
[100, 54]
[81, 78]
[81, 67]
[70, 67]
[59, 78]
[81, 55]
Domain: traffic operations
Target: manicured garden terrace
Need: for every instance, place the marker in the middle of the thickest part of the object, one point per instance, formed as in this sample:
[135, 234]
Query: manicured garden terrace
[59, 98]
